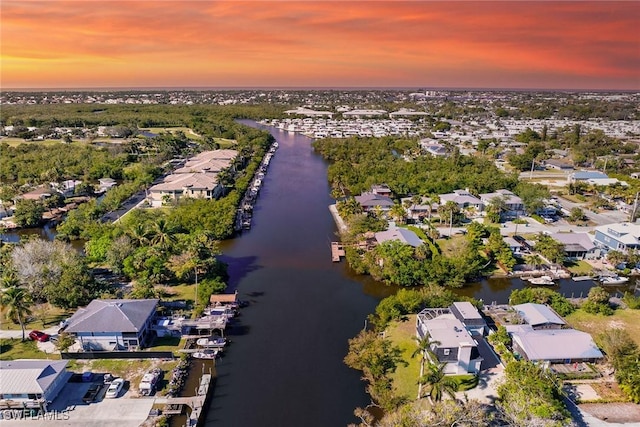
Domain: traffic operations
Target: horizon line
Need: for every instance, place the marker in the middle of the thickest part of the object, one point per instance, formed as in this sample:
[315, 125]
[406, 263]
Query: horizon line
[347, 88]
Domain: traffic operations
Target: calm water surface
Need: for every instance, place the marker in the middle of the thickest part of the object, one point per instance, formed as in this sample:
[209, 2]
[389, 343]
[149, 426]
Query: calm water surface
[284, 366]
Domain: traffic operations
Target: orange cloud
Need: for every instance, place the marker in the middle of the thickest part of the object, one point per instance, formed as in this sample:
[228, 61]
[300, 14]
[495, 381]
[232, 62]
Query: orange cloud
[320, 43]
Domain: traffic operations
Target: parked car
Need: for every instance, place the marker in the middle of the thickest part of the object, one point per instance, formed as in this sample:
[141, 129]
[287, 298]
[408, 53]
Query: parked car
[115, 388]
[92, 393]
[38, 336]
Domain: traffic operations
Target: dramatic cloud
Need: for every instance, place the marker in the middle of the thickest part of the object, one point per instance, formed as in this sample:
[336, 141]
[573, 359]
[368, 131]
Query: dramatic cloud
[523, 44]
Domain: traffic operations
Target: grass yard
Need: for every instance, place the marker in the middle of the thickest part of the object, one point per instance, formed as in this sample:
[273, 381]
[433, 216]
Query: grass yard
[183, 292]
[579, 268]
[448, 246]
[594, 324]
[405, 379]
[188, 132]
[42, 316]
[15, 348]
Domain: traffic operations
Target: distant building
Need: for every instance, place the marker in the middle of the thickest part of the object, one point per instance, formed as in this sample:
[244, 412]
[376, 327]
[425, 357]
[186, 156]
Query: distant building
[381, 190]
[363, 113]
[302, 111]
[463, 199]
[593, 178]
[513, 204]
[371, 201]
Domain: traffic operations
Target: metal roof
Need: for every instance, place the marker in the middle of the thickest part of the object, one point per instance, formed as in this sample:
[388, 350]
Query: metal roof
[556, 344]
[29, 376]
[538, 314]
[467, 310]
[112, 315]
[449, 332]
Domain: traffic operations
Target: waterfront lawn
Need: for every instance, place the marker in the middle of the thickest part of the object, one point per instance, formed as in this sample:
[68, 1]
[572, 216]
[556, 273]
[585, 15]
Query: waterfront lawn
[405, 379]
[167, 344]
[15, 348]
[448, 246]
[596, 324]
[183, 292]
[579, 268]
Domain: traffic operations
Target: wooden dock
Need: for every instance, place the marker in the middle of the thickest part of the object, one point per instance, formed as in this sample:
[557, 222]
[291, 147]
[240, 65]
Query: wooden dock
[337, 251]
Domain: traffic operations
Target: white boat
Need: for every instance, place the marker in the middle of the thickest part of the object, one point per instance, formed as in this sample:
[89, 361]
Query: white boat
[206, 354]
[613, 280]
[212, 342]
[542, 280]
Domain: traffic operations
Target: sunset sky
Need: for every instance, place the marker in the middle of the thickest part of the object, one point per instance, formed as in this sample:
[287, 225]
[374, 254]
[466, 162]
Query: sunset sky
[474, 44]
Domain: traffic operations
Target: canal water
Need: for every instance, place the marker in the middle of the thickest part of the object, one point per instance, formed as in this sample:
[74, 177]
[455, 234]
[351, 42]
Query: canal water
[284, 364]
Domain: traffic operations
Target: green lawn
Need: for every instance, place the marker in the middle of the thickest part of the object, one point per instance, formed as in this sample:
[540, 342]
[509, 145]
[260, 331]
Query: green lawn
[42, 316]
[15, 348]
[188, 132]
[579, 268]
[185, 292]
[594, 324]
[405, 378]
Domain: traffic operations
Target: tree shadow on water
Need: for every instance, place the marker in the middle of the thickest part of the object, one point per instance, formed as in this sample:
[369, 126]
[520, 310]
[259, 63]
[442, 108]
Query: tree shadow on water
[238, 268]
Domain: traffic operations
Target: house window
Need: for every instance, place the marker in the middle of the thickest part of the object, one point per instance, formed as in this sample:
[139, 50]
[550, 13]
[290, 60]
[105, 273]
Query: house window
[447, 351]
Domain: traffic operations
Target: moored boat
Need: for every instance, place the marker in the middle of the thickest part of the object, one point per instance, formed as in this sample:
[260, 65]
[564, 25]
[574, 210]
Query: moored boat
[542, 280]
[212, 342]
[206, 354]
[613, 280]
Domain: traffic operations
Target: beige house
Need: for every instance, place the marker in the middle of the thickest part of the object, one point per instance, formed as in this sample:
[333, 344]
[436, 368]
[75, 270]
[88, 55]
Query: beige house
[198, 178]
[203, 185]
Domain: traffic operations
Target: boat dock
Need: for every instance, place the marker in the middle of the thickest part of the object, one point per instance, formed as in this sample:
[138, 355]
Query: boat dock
[337, 251]
[244, 214]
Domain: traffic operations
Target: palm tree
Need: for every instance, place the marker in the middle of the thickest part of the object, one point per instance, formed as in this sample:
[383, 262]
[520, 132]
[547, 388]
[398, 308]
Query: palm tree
[533, 259]
[438, 383]
[139, 234]
[162, 234]
[17, 302]
[398, 213]
[425, 351]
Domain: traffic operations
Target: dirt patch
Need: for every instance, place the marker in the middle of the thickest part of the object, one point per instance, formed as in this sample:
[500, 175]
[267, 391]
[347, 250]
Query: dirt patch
[613, 412]
[608, 391]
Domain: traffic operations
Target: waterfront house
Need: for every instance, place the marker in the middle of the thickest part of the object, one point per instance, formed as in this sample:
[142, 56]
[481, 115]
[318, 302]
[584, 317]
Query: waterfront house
[31, 383]
[539, 316]
[577, 245]
[372, 201]
[208, 161]
[105, 184]
[620, 236]
[451, 342]
[403, 235]
[195, 185]
[470, 317]
[113, 324]
[516, 247]
[553, 345]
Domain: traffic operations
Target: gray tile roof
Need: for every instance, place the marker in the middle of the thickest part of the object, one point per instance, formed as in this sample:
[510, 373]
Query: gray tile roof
[371, 199]
[449, 332]
[112, 315]
[574, 240]
[402, 234]
[29, 376]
